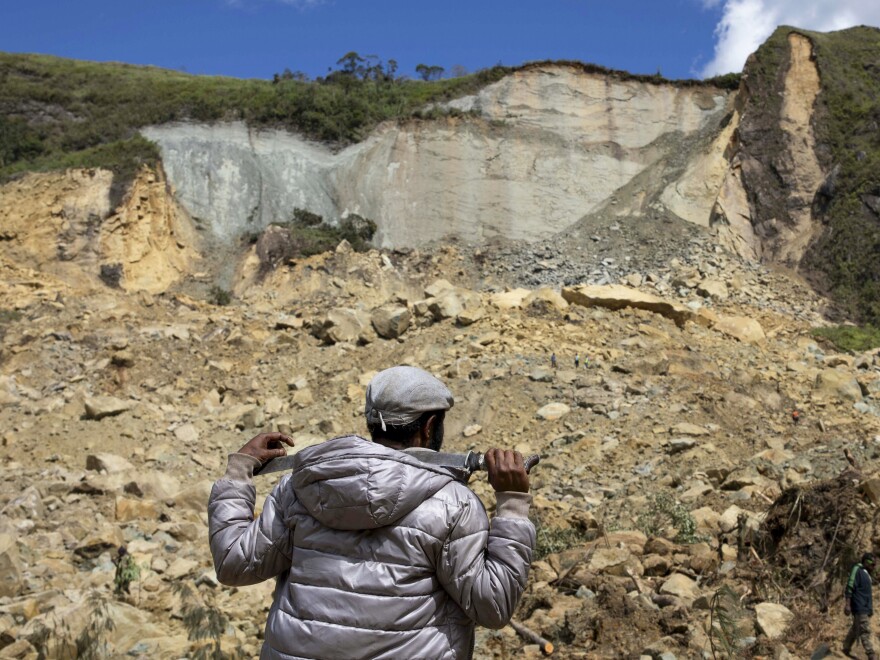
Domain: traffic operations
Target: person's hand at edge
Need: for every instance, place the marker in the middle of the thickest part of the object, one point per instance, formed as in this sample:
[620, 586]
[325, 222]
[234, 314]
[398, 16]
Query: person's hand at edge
[506, 471]
[266, 446]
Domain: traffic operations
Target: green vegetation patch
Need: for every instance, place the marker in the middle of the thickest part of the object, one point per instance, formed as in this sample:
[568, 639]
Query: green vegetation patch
[847, 128]
[551, 540]
[857, 339]
[306, 235]
[665, 511]
[57, 113]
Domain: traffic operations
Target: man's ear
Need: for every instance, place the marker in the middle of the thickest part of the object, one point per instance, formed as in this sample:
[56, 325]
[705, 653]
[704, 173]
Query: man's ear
[426, 430]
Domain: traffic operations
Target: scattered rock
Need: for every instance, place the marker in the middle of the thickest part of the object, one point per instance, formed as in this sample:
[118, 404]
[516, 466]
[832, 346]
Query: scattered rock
[108, 463]
[680, 586]
[391, 321]
[773, 619]
[100, 407]
[740, 327]
[837, 384]
[553, 411]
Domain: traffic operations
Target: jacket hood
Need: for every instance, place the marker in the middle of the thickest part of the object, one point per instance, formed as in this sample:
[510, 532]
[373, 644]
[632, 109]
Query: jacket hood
[351, 483]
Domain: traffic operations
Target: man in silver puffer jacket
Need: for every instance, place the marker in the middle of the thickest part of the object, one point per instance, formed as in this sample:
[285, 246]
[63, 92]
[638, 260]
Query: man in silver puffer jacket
[376, 554]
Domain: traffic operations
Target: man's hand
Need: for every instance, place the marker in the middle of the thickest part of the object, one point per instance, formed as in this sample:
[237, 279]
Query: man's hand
[266, 446]
[506, 471]
[846, 608]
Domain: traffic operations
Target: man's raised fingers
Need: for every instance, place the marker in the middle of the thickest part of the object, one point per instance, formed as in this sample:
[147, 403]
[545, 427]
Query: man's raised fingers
[518, 461]
[280, 437]
[490, 458]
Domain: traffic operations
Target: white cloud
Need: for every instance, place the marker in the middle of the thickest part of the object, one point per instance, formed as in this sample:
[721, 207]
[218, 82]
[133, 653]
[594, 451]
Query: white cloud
[746, 24]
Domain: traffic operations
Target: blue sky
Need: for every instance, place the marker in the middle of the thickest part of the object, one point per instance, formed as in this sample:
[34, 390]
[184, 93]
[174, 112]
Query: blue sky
[255, 38]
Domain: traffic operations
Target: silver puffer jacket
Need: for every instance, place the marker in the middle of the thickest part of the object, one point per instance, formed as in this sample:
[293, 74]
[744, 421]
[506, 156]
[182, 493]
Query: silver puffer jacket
[376, 555]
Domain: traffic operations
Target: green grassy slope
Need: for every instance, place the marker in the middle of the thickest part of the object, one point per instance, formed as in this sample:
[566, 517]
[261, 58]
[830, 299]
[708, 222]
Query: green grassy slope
[847, 126]
[57, 113]
[845, 259]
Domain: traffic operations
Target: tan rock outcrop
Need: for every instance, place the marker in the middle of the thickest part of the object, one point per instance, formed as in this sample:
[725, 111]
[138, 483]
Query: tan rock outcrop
[803, 170]
[617, 296]
[150, 236]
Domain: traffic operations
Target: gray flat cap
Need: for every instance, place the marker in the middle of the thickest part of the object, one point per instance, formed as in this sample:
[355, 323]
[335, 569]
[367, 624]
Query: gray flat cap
[400, 395]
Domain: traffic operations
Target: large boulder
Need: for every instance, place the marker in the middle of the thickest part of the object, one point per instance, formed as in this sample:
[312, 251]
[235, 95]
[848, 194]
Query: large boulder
[391, 321]
[617, 296]
[743, 328]
[773, 619]
[104, 538]
[553, 410]
[194, 498]
[340, 325]
[99, 407]
[447, 305]
[108, 463]
[546, 296]
[682, 587]
[10, 566]
[712, 289]
[128, 509]
[509, 299]
[437, 287]
[615, 561]
[837, 384]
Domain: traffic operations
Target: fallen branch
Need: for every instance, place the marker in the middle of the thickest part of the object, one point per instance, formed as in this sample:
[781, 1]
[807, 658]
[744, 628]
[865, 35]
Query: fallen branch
[532, 636]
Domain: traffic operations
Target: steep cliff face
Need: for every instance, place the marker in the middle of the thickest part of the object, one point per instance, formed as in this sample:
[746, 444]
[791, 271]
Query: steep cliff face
[806, 158]
[775, 155]
[542, 148]
[60, 231]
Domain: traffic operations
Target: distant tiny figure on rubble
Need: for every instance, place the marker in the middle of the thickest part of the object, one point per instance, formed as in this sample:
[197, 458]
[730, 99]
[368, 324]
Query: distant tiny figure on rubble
[553, 360]
[795, 416]
[577, 360]
[860, 604]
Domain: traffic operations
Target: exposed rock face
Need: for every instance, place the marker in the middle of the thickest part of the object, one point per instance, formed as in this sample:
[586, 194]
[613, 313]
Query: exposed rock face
[149, 236]
[775, 157]
[62, 224]
[555, 144]
[801, 165]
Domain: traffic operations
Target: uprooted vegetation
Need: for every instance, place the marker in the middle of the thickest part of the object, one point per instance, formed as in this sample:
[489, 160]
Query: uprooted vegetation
[306, 235]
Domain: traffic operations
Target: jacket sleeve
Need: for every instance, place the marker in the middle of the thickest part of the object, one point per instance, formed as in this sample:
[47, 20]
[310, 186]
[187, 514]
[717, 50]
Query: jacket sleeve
[247, 550]
[485, 567]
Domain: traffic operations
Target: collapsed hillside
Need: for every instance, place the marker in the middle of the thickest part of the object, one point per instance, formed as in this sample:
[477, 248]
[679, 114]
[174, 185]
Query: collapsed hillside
[784, 169]
[119, 406]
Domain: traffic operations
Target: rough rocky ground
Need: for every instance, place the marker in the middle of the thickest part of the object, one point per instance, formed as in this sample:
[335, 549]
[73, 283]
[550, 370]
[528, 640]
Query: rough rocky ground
[118, 410]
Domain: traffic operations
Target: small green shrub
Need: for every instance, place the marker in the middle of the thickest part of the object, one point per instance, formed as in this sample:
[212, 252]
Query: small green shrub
[728, 624]
[219, 296]
[550, 540]
[306, 218]
[204, 622]
[9, 316]
[127, 571]
[665, 511]
[850, 337]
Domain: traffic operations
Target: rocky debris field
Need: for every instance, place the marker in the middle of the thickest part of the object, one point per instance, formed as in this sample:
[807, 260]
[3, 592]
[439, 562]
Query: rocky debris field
[663, 447]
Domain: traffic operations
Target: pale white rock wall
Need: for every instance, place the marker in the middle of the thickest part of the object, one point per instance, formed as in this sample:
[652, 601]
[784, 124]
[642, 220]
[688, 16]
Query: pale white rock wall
[550, 145]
